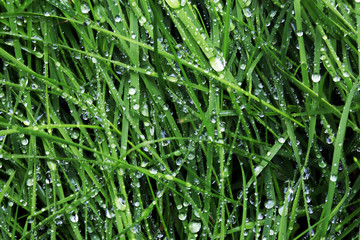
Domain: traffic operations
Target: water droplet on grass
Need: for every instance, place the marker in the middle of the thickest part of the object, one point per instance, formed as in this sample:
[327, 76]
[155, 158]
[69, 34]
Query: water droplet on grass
[173, 3]
[315, 78]
[52, 166]
[269, 204]
[26, 122]
[153, 171]
[336, 79]
[120, 204]
[247, 13]
[30, 182]
[333, 178]
[281, 140]
[191, 156]
[217, 63]
[142, 20]
[282, 211]
[84, 8]
[136, 107]
[322, 164]
[194, 227]
[118, 19]
[132, 91]
[24, 141]
[300, 33]
[109, 214]
[182, 216]
[74, 218]
[169, 177]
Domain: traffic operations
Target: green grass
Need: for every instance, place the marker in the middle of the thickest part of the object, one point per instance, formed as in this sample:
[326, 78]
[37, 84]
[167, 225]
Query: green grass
[146, 119]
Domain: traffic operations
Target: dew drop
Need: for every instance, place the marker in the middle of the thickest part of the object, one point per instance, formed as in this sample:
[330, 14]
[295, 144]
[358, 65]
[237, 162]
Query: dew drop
[269, 204]
[182, 216]
[142, 20]
[173, 3]
[74, 218]
[281, 140]
[191, 156]
[322, 164]
[120, 204]
[217, 63]
[153, 171]
[26, 122]
[336, 79]
[333, 178]
[194, 227]
[169, 177]
[30, 182]
[282, 211]
[132, 91]
[24, 141]
[118, 19]
[136, 107]
[52, 166]
[109, 214]
[315, 78]
[179, 161]
[247, 13]
[84, 8]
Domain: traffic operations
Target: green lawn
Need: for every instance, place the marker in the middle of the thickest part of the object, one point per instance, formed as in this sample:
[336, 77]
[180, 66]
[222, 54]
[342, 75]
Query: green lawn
[171, 119]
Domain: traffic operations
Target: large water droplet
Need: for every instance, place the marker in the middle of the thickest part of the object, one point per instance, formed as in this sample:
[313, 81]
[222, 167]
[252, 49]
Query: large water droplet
[173, 3]
[191, 156]
[109, 214]
[315, 78]
[24, 141]
[51, 165]
[153, 171]
[336, 79]
[333, 178]
[132, 91]
[136, 107]
[74, 218]
[118, 19]
[217, 63]
[282, 211]
[120, 204]
[182, 216]
[142, 20]
[247, 13]
[322, 164]
[269, 204]
[30, 182]
[194, 227]
[84, 8]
